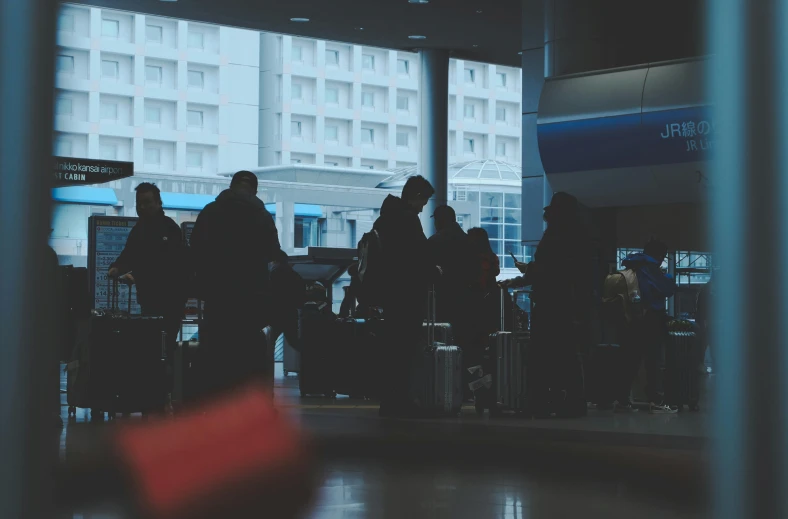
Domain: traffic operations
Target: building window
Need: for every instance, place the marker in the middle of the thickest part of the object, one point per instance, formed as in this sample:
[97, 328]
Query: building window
[500, 113]
[402, 103]
[194, 159]
[110, 69]
[109, 111]
[296, 91]
[64, 148]
[110, 28]
[196, 79]
[368, 62]
[305, 232]
[108, 152]
[403, 67]
[368, 166]
[469, 146]
[194, 118]
[367, 135]
[500, 80]
[153, 115]
[65, 64]
[295, 161]
[66, 23]
[470, 111]
[196, 40]
[332, 95]
[332, 133]
[329, 163]
[154, 33]
[470, 75]
[367, 99]
[297, 53]
[152, 156]
[295, 128]
[500, 149]
[402, 139]
[332, 58]
[64, 106]
[153, 74]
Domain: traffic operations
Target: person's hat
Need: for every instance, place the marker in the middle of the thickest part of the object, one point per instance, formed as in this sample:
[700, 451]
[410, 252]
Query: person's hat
[562, 203]
[246, 177]
[444, 212]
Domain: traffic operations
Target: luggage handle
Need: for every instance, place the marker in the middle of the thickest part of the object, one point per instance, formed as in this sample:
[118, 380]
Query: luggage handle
[113, 295]
[431, 317]
[504, 291]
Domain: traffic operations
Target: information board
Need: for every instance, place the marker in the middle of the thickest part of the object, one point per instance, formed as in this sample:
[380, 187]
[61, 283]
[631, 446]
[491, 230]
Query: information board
[107, 237]
[191, 303]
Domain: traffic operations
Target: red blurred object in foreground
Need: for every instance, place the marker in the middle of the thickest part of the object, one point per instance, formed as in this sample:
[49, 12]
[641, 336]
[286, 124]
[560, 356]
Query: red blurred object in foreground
[236, 457]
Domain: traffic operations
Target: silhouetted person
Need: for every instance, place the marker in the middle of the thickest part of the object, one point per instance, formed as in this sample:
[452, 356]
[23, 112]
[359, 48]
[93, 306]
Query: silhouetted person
[409, 273]
[703, 320]
[560, 277]
[646, 335]
[232, 243]
[155, 258]
[350, 299]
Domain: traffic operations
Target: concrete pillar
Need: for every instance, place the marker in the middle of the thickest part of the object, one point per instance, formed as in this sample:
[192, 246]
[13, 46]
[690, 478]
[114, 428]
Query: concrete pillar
[749, 90]
[434, 128]
[28, 362]
[285, 224]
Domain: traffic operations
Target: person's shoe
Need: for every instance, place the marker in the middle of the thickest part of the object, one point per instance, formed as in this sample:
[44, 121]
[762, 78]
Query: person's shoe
[626, 408]
[662, 409]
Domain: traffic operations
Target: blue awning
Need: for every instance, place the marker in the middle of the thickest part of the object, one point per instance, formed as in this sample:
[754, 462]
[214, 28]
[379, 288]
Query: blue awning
[85, 195]
[185, 202]
[300, 210]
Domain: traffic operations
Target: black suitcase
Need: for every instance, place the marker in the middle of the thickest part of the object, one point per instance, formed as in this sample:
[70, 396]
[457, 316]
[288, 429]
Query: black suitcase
[318, 371]
[604, 361]
[350, 350]
[682, 380]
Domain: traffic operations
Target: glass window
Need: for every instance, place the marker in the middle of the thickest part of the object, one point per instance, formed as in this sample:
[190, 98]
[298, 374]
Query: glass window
[109, 111]
[66, 23]
[64, 106]
[332, 58]
[470, 111]
[500, 79]
[296, 91]
[194, 159]
[196, 40]
[368, 99]
[512, 232]
[493, 231]
[512, 215]
[470, 75]
[403, 67]
[497, 247]
[332, 133]
[305, 232]
[330, 163]
[368, 166]
[108, 152]
[402, 139]
[500, 148]
[297, 53]
[368, 62]
[152, 156]
[488, 199]
[367, 135]
[513, 200]
[402, 103]
[65, 64]
[295, 128]
[194, 118]
[196, 79]
[153, 114]
[153, 74]
[500, 113]
[295, 161]
[332, 95]
[490, 215]
[154, 33]
[469, 146]
[110, 69]
[110, 28]
[63, 148]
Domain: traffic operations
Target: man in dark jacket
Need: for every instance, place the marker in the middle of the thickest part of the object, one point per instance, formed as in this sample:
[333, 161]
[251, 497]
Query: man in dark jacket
[409, 272]
[232, 243]
[155, 259]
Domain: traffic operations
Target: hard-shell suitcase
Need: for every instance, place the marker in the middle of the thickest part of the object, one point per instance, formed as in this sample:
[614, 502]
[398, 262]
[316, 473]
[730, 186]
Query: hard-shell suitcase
[441, 391]
[351, 352]
[682, 380]
[318, 370]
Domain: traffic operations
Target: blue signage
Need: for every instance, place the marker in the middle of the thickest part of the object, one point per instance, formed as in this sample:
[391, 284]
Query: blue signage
[644, 139]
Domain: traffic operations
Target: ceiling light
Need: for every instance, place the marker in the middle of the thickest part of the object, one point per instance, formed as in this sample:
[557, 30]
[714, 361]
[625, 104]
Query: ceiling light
[418, 1]
[520, 53]
[417, 37]
[168, 0]
[299, 20]
[359, 28]
[475, 46]
[478, 11]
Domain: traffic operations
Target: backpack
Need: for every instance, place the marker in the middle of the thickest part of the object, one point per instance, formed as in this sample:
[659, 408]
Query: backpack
[370, 269]
[621, 305]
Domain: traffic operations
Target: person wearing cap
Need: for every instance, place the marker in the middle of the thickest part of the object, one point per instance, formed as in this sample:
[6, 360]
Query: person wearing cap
[561, 281]
[233, 241]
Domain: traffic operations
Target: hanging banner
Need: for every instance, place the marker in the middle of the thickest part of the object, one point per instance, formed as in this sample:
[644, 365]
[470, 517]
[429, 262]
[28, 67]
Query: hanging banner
[77, 172]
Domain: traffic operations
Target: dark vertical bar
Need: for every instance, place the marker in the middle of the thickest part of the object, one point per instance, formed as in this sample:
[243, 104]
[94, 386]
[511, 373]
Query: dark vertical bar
[28, 446]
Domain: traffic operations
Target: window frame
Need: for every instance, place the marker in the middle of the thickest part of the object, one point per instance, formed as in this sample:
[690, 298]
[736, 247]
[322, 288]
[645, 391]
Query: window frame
[293, 87]
[116, 77]
[72, 22]
[145, 156]
[335, 54]
[112, 146]
[498, 111]
[300, 58]
[335, 138]
[116, 25]
[470, 76]
[154, 68]
[58, 104]
[371, 62]
[471, 145]
[296, 124]
[369, 132]
[194, 33]
[336, 100]
[109, 104]
[189, 80]
[160, 29]
[368, 95]
[189, 124]
[157, 110]
[405, 69]
[407, 103]
[68, 70]
[193, 153]
[406, 135]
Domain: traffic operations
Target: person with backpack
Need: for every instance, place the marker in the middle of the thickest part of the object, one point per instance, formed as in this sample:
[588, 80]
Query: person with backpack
[395, 273]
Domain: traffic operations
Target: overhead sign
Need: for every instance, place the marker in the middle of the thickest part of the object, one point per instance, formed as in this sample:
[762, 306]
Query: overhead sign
[107, 237]
[626, 141]
[76, 172]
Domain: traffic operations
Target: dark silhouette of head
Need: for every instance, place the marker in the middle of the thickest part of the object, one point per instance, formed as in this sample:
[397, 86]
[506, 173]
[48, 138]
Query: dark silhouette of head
[417, 192]
[562, 210]
[444, 217]
[656, 249]
[148, 200]
[244, 182]
[480, 239]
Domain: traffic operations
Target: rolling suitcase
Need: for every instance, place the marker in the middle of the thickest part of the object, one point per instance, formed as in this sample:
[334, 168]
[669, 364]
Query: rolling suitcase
[351, 350]
[441, 389]
[318, 359]
[682, 380]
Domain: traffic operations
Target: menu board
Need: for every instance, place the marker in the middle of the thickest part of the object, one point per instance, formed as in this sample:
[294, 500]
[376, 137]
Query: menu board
[191, 303]
[107, 237]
